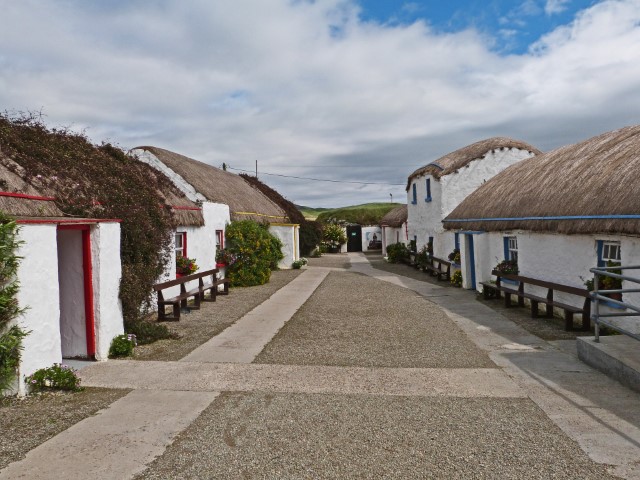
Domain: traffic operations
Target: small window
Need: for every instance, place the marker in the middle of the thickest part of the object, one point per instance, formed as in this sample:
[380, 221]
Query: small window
[428, 197]
[511, 248]
[610, 252]
[415, 194]
[181, 244]
[219, 240]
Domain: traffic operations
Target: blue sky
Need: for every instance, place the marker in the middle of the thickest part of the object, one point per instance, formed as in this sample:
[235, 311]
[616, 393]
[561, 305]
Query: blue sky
[513, 25]
[347, 90]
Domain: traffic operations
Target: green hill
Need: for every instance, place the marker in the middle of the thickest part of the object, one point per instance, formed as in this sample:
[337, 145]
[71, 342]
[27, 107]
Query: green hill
[365, 214]
[311, 213]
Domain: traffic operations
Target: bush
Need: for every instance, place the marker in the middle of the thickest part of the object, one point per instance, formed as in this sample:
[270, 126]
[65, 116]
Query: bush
[257, 253]
[397, 252]
[57, 377]
[456, 279]
[310, 236]
[333, 236]
[10, 350]
[422, 257]
[298, 264]
[454, 256]
[122, 345]
[147, 332]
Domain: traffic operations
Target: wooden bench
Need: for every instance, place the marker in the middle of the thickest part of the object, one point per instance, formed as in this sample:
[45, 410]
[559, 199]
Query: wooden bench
[439, 268]
[198, 293]
[491, 290]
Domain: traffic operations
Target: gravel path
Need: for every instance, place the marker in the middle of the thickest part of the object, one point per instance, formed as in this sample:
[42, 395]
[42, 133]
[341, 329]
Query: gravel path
[294, 436]
[199, 326]
[545, 328]
[331, 260]
[353, 320]
[28, 422]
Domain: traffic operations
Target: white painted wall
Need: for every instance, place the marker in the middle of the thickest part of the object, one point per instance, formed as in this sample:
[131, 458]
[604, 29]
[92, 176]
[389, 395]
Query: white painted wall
[425, 218]
[289, 235]
[367, 236]
[107, 272]
[40, 295]
[391, 235]
[72, 305]
[558, 258]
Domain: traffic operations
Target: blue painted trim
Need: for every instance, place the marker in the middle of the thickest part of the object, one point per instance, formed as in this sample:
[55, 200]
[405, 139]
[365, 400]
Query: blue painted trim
[415, 195]
[472, 260]
[456, 240]
[428, 189]
[472, 232]
[599, 248]
[428, 199]
[567, 217]
[505, 244]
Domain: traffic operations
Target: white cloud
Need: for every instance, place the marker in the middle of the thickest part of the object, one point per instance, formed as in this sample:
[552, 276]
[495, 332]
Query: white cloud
[552, 7]
[302, 86]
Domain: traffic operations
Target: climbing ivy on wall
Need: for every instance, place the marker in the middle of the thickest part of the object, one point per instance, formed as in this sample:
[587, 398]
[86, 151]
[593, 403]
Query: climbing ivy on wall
[99, 181]
[10, 337]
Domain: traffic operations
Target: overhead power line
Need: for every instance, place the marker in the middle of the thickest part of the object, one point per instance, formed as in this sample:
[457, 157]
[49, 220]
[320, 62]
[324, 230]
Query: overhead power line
[318, 179]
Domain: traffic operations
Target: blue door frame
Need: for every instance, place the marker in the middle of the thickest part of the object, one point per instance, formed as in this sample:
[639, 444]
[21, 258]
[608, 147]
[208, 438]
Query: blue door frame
[472, 261]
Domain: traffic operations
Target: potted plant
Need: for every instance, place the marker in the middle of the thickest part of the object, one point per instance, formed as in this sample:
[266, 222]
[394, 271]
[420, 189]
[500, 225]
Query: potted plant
[607, 283]
[507, 267]
[185, 266]
[422, 258]
[454, 256]
[333, 237]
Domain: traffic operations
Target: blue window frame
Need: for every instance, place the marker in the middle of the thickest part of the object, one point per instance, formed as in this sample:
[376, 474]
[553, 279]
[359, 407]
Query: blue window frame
[415, 195]
[607, 252]
[510, 248]
[428, 197]
[456, 241]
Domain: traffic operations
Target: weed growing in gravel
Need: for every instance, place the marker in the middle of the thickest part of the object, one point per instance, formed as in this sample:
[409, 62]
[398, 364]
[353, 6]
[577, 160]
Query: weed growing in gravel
[56, 377]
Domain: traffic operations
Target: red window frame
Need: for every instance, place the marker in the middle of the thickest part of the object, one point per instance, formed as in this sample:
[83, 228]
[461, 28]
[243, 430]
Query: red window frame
[183, 235]
[220, 239]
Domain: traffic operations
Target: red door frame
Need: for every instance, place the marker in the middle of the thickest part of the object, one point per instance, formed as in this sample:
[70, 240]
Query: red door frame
[87, 268]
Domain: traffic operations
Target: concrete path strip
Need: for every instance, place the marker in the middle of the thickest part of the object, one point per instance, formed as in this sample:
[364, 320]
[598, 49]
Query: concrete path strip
[441, 382]
[116, 443]
[245, 339]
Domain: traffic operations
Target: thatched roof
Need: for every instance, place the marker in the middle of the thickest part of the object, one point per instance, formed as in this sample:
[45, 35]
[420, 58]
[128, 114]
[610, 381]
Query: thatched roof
[395, 218]
[589, 182]
[454, 161]
[216, 185]
[28, 201]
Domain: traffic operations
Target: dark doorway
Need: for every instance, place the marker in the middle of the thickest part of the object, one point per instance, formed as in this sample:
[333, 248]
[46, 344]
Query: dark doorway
[354, 238]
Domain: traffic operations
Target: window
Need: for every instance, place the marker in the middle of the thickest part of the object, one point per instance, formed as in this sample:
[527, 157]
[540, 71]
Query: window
[608, 252]
[181, 244]
[428, 197]
[456, 241]
[511, 248]
[219, 240]
[415, 195]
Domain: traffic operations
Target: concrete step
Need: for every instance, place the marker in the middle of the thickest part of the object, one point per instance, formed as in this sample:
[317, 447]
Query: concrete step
[618, 356]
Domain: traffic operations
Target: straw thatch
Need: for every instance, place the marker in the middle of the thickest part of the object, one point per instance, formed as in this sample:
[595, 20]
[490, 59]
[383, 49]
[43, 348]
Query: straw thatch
[245, 202]
[395, 218]
[454, 161]
[11, 181]
[596, 177]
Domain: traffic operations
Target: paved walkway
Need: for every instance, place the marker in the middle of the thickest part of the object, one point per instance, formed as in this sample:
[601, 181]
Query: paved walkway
[601, 415]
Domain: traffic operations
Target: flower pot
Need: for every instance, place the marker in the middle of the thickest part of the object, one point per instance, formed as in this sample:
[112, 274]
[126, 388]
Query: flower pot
[222, 273]
[179, 275]
[615, 296]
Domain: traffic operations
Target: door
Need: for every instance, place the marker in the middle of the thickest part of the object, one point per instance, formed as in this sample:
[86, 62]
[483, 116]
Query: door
[77, 326]
[470, 260]
[354, 238]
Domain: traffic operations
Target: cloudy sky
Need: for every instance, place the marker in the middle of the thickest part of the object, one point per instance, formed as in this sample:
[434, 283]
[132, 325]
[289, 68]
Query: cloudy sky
[346, 90]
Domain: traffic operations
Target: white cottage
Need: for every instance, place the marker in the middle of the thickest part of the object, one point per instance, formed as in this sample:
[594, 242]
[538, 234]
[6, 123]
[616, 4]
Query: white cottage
[69, 278]
[394, 228]
[434, 190]
[224, 196]
[558, 214]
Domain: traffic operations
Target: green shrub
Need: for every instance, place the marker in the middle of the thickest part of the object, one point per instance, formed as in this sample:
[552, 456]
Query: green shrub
[310, 236]
[298, 264]
[10, 350]
[57, 377]
[422, 257]
[397, 252]
[456, 279]
[333, 236]
[147, 332]
[122, 345]
[257, 253]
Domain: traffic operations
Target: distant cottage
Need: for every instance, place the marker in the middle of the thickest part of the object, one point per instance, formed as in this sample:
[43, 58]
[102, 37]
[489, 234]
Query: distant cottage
[434, 190]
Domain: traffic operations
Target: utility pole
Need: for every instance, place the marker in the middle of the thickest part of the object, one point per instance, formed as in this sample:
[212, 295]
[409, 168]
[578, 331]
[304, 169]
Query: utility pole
[391, 195]
[256, 168]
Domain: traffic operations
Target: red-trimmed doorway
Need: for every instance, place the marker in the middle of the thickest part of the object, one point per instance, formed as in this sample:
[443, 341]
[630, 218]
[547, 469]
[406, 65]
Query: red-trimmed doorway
[75, 278]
